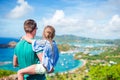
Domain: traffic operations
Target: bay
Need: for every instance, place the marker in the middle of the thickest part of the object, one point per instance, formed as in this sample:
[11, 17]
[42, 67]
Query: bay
[66, 61]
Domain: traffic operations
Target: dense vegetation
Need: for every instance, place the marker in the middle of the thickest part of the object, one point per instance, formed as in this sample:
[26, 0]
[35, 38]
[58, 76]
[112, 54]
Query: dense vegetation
[4, 73]
[65, 47]
[99, 72]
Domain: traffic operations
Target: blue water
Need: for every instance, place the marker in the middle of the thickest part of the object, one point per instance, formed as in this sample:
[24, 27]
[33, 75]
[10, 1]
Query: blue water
[4, 40]
[66, 61]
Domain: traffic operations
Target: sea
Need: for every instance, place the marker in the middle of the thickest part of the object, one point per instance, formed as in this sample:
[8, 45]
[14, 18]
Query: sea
[65, 63]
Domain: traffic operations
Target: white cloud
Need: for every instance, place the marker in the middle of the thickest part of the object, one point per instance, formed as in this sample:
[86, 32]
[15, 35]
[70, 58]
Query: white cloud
[84, 27]
[114, 24]
[115, 21]
[20, 10]
[57, 16]
[68, 25]
[111, 29]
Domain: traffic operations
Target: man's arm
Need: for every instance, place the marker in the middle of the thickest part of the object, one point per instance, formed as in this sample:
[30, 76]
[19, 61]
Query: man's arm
[15, 61]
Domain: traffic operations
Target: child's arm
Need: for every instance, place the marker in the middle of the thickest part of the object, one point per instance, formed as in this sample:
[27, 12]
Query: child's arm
[27, 39]
[40, 55]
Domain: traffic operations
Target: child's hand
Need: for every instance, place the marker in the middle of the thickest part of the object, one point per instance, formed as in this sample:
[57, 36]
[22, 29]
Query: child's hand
[22, 37]
[25, 37]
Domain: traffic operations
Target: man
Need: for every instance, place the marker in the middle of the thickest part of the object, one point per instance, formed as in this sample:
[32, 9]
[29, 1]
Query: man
[24, 56]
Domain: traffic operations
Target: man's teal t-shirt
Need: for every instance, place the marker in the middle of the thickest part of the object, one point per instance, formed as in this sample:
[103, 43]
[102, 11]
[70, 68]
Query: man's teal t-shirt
[26, 56]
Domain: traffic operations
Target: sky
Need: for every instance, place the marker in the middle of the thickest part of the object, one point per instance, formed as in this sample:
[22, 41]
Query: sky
[99, 19]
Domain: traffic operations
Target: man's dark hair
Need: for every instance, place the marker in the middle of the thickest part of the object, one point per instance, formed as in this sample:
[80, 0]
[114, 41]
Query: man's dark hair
[29, 25]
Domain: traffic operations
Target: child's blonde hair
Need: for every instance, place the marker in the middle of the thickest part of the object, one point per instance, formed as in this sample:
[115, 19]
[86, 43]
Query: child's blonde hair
[52, 34]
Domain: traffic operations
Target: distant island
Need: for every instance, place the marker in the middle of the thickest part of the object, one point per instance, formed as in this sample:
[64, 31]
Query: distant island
[10, 44]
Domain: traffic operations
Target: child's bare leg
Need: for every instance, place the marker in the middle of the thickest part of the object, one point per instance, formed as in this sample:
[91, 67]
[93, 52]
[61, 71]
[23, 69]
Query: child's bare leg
[27, 70]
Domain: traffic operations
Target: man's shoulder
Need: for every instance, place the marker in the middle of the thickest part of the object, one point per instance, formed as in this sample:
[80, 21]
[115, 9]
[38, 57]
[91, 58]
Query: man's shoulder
[23, 43]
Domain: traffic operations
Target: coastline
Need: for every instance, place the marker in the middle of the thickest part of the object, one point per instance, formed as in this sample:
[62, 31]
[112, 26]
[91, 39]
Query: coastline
[72, 70]
[84, 62]
[76, 68]
[79, 66]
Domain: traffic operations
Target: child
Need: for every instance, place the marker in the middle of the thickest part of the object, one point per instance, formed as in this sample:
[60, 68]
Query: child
[48, 54]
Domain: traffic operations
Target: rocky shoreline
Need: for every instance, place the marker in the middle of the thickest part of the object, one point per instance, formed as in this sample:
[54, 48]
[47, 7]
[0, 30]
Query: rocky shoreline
[11, 77]
[9, 45]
